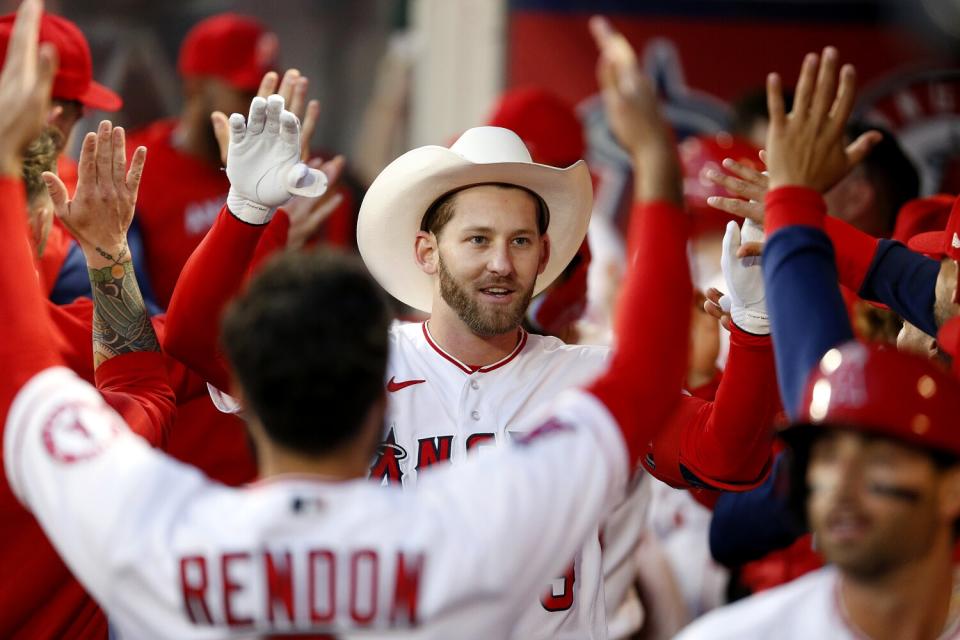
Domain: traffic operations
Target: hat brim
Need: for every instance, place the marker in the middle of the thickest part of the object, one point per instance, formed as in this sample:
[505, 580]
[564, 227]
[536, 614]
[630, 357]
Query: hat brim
[930, 243]
[394, 206]
[99, 97]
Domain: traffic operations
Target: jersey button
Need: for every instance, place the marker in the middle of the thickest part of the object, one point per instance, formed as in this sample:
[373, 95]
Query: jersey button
[474, 385]
[475, 415]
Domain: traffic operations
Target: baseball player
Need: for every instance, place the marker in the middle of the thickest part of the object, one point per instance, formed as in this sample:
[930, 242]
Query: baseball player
[171, 554]
[476, 217]
[874, 443]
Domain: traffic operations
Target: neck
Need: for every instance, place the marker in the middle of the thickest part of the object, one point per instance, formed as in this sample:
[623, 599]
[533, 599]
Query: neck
[912, 601]
[274, 461]
[456, 338]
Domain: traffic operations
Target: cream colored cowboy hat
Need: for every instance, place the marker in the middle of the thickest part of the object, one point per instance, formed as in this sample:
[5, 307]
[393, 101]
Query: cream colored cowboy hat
[396, 202]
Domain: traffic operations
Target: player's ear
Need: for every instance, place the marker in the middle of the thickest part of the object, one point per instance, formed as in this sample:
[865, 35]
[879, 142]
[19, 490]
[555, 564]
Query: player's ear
[426, 252]
[950, 494]
[544, 252]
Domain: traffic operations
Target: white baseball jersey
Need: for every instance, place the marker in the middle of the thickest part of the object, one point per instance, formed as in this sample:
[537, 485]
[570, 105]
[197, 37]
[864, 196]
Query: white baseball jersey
[170, 554]
[808, 607]
[440, 409]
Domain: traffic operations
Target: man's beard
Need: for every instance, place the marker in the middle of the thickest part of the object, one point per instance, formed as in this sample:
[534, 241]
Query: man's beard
[485, 321]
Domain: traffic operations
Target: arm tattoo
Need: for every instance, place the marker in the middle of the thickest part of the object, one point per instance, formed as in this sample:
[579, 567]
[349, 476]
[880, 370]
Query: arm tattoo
[120, 322]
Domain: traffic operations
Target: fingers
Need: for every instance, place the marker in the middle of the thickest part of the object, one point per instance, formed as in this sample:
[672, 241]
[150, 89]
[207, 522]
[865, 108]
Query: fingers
[104, 155]
[57, 190]
[290, 79]
[803, 96]
[731, 239]
[746, 172]
[274, 109]
[763, 159]
[22, 48]
[119, 153]
[257, 117]
[857, 150]
[736, 186]
[289, 128]
[750, 250]
[136, 171]
[826, 89]
[333, 168]
[46, 70]
[843, 105]
[775, 102]
[736, 206]
[87, 165]
[308, 124]
[298, 98]
[268, 85]
[221, 131]
[238, 128]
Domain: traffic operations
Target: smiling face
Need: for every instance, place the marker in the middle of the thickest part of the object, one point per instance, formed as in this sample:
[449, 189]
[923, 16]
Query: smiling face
[486, 257]
[874, 504]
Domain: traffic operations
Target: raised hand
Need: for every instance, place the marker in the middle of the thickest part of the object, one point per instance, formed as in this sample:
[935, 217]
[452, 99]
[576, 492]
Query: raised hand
[748, 185]
[263, 161]
[806, 147]
[307, 214]
[633, 114]
[25, 84]
[101, 210]
[293, 88]
[746, 298]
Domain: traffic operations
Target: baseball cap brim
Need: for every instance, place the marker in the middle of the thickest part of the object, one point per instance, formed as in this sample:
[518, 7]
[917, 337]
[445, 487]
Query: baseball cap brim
[929, 243]
[99, 97]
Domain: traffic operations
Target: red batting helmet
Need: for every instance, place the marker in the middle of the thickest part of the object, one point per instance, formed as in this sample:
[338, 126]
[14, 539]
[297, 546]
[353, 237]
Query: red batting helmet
[548, 126]
[873, 389]
[944, 242]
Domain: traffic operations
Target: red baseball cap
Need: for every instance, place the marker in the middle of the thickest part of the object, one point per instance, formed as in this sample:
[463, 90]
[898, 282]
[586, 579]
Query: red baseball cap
[548, 126]
[876, 389]
[941, 244]
[699, 153]
[949, 340]
[921, 215]
[234, 48]
[74, 79]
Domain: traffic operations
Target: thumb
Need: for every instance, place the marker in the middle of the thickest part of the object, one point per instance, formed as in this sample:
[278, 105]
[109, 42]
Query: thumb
[859, 148]
[58, 192]
[731, 240]
[221, 131]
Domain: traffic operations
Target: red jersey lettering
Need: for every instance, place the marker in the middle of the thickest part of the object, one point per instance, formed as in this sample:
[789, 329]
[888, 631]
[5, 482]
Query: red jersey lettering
[231, 587]
[322, 593]
[193, 585]
[363, 580]
[406, 589]
[279, 585]
[433, 450]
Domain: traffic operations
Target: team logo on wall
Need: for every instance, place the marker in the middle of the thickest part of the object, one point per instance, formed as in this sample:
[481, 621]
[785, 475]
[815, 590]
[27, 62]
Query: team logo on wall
[689, 111]
[923, 109]
[79, 431]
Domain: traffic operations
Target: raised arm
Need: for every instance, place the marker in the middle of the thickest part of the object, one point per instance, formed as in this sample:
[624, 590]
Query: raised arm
[805, 153]
[25, 82]
[99, 216]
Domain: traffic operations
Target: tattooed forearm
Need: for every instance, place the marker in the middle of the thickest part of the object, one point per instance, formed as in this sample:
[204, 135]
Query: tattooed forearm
[120, 322]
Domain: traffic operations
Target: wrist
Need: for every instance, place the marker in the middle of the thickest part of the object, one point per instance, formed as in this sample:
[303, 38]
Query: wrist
[247, 210]
[103, 255]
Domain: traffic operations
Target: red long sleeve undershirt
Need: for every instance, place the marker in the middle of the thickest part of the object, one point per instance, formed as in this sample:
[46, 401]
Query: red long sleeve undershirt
[211, 278]
[26, 347]
[642, 384]
[725, 443]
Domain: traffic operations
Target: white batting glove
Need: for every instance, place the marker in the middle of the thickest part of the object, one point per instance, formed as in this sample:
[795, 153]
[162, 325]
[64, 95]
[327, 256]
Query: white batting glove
[746, 299]
[263, 162]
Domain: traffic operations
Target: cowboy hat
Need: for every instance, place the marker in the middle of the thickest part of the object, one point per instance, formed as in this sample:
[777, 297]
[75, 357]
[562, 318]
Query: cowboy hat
[392, 211]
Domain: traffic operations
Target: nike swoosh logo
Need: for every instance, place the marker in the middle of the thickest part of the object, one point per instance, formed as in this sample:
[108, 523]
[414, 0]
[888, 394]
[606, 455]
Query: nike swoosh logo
[394, 386]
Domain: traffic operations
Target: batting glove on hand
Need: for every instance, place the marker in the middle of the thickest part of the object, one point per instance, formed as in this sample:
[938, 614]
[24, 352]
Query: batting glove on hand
[746, 299]
[263, 162]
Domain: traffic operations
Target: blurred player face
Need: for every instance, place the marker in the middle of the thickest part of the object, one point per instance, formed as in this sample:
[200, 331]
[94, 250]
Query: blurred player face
[913, 340]
[489, 256]
[65, 115]
[945, 306]
[875, 505]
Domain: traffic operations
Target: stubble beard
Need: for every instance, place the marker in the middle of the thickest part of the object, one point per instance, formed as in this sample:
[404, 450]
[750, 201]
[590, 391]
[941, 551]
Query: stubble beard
[485, 321]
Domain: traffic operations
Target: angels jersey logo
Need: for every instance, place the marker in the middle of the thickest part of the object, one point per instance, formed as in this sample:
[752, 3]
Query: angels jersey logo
[386, 465]
[70, 435]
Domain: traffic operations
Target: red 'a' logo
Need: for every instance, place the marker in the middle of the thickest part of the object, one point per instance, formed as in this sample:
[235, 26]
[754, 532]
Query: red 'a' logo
[387, 462]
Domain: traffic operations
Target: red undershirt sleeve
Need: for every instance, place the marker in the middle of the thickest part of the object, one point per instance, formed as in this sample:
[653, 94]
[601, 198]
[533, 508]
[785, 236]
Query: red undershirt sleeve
[854, 251]
[27, 345]
[211, 278]
[135, 385]
[642, 384]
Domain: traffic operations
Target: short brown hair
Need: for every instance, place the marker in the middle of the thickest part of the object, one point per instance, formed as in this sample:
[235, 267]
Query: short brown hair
[442, 209]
